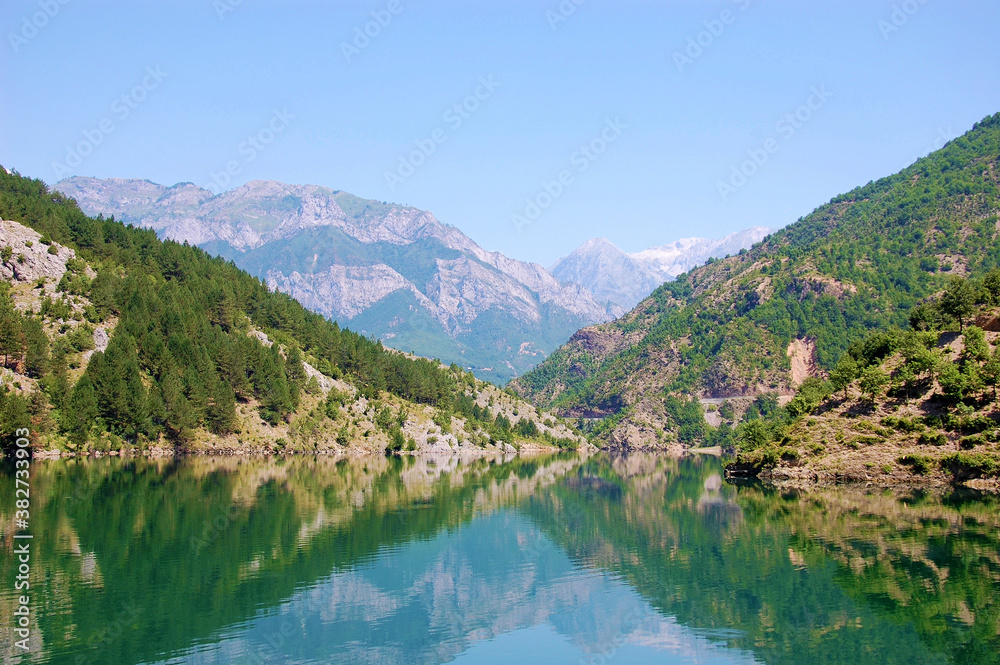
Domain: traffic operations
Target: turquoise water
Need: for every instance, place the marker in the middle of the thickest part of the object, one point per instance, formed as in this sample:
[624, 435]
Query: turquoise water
[565, 559]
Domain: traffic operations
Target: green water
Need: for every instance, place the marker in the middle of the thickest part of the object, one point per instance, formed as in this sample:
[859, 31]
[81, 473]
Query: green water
[637, 559]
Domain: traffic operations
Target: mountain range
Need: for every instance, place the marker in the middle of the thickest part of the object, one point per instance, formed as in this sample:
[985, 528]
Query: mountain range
[389, 271]
[395, 272]
[624, 279]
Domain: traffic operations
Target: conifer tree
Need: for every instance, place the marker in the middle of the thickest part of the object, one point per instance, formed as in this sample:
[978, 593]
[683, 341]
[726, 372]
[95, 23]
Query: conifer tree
[36, 344]
[81, 411]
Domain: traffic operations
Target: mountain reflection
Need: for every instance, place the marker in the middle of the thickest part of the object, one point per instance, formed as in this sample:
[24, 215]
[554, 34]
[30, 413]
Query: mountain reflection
[431, 560]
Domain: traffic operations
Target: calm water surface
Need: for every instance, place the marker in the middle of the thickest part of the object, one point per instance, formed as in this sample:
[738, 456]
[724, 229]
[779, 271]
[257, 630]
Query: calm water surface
[623, 560]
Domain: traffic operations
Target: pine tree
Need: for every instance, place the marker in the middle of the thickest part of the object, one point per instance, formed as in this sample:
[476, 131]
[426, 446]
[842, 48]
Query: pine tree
[959, 300]
[844, 373]
[873, 382]
[121, 396]
[272, 387]
[221, 413]
[181, 417]
[81, 411]
[294, 368]
[991, 372]
[232, 367]
[952, 381]
[56, 382]
[36, 343]
[11, 333]
[975, 349]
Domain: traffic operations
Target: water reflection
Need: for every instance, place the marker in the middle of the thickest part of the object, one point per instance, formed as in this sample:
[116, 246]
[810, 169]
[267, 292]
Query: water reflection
[560, 559]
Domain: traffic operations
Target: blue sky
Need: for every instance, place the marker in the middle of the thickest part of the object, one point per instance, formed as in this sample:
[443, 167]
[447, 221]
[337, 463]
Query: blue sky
[173, 91]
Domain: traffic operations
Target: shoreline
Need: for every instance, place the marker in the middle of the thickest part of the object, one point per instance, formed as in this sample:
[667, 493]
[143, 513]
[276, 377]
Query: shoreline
[781, 478]
[788, 478]
[159, 452]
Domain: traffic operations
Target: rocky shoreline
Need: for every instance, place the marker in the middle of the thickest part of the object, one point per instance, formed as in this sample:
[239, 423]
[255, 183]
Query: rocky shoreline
[158, 452]
[783, 477]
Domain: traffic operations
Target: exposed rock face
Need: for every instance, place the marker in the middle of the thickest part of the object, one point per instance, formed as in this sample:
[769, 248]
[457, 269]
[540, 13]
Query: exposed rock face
[625, 279]
[389, 271]
[343, 292]
[101, 340]
[802, 354]
[29, 259]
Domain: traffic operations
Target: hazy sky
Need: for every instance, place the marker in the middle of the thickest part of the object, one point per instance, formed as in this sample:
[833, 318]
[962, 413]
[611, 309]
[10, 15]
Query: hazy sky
[621, 119]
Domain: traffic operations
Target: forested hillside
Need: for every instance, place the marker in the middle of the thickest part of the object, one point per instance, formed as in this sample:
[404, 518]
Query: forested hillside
[200, 350]
[792, 305]
[900, 404]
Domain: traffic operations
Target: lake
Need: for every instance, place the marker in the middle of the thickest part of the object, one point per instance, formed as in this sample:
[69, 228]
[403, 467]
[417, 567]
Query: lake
[561, 559]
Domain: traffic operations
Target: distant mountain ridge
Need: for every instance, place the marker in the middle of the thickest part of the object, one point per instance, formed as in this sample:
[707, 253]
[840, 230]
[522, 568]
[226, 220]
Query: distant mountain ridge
[626, 279]
[391, 271]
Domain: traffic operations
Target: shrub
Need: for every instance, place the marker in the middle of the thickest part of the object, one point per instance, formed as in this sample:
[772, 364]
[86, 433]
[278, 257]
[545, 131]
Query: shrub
[919, 463]
[963, 466]
[81, 339]
[811, 394]
[790, 455]
[970, 442]
[971, 424]
[932, 439]
[761, 458]
[396, 441]
[903, 424]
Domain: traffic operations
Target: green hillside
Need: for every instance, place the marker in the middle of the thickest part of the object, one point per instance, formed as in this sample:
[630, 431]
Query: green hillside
[858, 263]
[190, 353]
[900, 406]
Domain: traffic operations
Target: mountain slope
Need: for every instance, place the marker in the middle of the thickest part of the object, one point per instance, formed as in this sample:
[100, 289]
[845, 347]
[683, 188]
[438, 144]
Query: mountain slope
[625, 279]
[739, 326]
[343, 257]
[112, 339]
[902, 406]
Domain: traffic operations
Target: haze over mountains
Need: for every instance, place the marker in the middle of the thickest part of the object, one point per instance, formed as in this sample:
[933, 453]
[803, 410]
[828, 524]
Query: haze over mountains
[395, 272]
[614, 276]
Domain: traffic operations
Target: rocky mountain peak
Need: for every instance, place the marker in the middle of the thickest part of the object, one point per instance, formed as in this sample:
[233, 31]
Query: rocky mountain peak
[387, 270]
